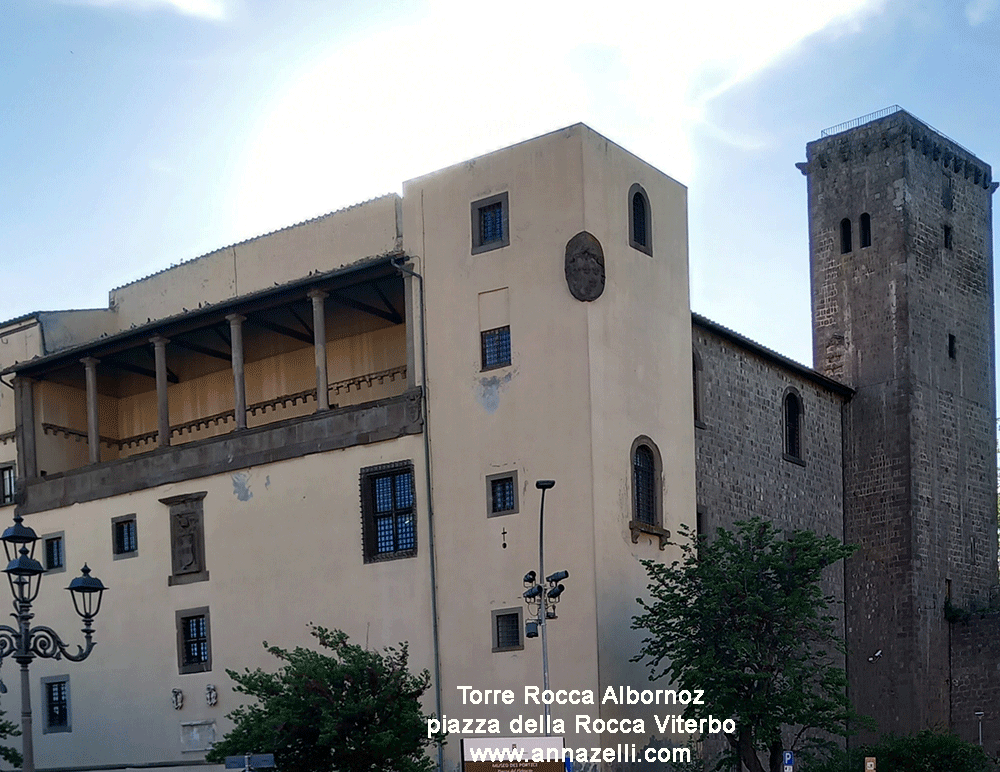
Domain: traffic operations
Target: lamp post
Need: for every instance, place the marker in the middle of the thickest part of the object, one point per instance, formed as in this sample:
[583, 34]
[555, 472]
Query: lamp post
[544, 599]
[979, 715]
[25, 642]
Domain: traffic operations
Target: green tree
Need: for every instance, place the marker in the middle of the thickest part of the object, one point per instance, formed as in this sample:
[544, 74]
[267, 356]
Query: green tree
[926, 751]
[743, 617]
[350, 710]
[9, 729]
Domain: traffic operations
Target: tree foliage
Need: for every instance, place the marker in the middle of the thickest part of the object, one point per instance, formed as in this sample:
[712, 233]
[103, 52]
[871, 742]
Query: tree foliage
[9, 729]
[350, 710]
[744, 618]
[927, 751]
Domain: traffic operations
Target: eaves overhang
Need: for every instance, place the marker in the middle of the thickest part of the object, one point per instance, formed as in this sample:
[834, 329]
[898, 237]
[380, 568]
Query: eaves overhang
[365, 270]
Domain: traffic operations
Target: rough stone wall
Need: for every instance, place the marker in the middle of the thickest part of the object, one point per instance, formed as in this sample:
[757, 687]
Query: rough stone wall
[741, 471]
[919, 457]
[739, 445]
[975, 645]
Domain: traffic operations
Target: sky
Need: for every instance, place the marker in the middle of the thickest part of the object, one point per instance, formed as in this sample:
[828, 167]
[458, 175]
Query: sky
[136, 134]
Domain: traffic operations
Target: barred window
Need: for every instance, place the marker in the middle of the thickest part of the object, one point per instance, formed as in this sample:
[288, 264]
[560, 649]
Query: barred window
[503, 494]
[490, 223]
[507, 630]
[644, 485]
[56, 704]
[55, 556]
[7, 485]
[639, 220]
[124, 536]
[495, 347]
[55, 696]
[388, 512]
[194, 641]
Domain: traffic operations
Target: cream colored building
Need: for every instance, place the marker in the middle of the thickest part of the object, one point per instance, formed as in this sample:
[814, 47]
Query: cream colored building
[342, 422]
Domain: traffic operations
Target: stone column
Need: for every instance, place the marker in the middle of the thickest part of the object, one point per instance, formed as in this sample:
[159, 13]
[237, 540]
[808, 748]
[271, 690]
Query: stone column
[93, 419]
[162, 404]
[24, 405]
[319, 346]
[239, 381]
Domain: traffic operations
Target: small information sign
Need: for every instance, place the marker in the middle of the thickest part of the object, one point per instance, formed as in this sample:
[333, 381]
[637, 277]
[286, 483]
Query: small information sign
[787, 761]
[869, 764]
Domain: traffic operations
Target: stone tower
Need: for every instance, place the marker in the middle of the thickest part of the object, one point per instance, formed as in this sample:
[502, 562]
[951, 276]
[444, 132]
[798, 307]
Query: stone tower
[902, 303]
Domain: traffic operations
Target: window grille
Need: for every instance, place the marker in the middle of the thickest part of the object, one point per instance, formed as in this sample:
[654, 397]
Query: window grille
[644, 483]
[7, 485]
[503, 494]
[496, 347]
[491, 223]
[639, 235]
[126, 538]
[195, 630]
[54, 556]
[508, 631]
[389, 518]
[56, 704]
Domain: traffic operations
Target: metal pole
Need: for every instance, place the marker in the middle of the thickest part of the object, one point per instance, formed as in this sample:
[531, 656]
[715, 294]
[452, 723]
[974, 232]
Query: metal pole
[543, 601]
[24, 657]
[27, 744]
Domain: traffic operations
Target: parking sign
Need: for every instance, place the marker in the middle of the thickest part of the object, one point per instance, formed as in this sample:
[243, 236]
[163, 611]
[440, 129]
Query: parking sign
[787, 761]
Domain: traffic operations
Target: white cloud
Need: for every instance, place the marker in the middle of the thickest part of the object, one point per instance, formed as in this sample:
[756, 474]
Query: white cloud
[205, 9]
[466, 79]
[979, 11]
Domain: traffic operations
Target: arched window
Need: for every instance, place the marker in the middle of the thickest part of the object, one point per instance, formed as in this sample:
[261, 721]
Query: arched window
[845, 236]
[865, 230]
[644, 479]
[640, 233]
[792, 410]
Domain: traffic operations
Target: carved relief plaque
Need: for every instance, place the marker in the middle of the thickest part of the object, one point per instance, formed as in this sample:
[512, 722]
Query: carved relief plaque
[187, 538]
[585, 266]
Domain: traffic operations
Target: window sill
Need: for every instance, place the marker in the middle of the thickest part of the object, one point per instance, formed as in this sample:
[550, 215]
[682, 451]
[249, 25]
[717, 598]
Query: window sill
[638, 529]
[793, 459]
[700, 424]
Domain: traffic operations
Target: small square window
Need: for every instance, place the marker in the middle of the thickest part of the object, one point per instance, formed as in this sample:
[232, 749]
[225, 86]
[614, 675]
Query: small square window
[55, 693]
[194, 641]
[496, 347]
[507, 629]
[388, 512]
[124, 537]
[490, 223]
[54, 548]
[501, 493]
[6, 485]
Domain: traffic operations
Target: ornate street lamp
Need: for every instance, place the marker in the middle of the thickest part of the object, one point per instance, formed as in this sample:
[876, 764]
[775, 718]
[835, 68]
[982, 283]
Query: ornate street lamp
[26, 641]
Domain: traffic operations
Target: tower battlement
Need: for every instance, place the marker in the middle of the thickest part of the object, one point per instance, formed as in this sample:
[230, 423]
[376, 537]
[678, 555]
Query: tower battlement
[892, 127]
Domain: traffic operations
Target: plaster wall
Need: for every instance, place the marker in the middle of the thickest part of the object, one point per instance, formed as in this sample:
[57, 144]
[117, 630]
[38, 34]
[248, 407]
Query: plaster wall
[283, 548]
[318, 245]
[534, 417]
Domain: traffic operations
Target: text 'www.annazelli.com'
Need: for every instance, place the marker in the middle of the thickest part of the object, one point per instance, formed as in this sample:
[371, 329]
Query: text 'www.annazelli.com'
[620, 754]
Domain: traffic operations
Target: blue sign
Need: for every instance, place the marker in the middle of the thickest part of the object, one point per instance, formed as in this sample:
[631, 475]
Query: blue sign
[789, 758]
